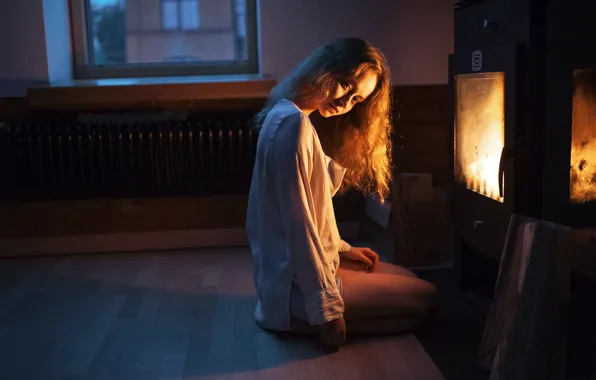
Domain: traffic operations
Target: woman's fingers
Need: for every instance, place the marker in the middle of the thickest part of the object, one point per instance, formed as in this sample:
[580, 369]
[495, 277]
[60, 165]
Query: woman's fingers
[373, 257]
[368, 262]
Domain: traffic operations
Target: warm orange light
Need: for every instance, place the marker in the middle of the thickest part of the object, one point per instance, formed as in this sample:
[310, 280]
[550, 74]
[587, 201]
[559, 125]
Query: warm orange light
[480, 131]
[583, 138]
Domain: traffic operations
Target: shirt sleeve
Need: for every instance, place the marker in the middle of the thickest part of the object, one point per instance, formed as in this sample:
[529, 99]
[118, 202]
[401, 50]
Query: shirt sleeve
[292, 162]
[344, 246]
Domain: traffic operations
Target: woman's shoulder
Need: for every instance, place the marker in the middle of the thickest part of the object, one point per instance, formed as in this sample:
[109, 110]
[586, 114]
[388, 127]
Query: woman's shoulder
[287, 117]
[285, 109]
[288, 128]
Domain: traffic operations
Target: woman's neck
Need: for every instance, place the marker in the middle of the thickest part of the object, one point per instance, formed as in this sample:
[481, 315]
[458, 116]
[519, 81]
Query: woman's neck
[307, 109]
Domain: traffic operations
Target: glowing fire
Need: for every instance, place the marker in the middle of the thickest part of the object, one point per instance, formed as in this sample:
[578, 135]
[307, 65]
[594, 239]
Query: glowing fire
[583, 138]
[583, 173]
[479, 136]
[483, 175]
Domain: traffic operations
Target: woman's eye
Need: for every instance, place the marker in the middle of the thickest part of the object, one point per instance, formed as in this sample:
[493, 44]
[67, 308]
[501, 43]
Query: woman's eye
[346, 86]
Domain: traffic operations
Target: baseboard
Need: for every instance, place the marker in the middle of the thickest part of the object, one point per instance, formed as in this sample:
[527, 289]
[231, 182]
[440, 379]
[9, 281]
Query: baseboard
[138, 241]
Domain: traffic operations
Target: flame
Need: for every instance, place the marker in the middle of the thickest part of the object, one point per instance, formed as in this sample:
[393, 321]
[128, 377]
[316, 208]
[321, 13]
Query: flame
[480, 125]
[583, 172]
[583, 138]
[483, 175]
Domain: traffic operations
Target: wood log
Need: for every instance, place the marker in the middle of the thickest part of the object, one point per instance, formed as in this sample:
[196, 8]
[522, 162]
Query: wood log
[525, 333]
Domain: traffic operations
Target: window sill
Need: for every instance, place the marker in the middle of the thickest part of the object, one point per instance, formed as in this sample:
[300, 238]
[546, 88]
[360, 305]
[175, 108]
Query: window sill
[126, 92]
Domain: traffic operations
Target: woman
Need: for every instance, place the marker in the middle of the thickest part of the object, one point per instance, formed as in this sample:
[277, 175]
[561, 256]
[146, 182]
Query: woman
[307, 278]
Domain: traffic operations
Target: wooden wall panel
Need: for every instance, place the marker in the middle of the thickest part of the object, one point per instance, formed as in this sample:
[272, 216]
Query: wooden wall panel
[422, 118]
[422, 135]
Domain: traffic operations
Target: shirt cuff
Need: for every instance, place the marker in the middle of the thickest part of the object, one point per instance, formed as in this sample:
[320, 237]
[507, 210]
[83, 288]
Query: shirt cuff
[324, 307]
[344, 246]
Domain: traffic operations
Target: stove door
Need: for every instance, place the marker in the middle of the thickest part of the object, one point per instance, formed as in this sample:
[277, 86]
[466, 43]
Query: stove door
[569, 176]
[485, 90]
[480, 133]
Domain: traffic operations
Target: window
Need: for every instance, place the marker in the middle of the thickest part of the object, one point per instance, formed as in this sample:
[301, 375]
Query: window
[180, 14]
[139, 38]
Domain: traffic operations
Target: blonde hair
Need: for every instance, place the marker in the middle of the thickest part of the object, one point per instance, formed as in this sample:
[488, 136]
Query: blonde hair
[364, 146]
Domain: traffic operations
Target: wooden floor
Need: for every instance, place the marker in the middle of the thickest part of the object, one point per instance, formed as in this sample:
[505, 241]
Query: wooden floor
[167, 315]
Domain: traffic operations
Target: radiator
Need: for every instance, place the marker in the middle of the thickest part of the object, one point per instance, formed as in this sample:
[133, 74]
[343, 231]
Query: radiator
[127, 155]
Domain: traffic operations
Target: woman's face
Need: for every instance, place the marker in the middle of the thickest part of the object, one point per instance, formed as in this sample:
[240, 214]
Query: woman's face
[348, 93]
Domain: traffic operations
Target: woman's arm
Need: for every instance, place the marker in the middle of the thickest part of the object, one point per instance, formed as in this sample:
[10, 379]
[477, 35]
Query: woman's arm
[292, 162]
[344, 246]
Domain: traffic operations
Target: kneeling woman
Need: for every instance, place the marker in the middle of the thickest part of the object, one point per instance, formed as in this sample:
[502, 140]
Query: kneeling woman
[307, 278]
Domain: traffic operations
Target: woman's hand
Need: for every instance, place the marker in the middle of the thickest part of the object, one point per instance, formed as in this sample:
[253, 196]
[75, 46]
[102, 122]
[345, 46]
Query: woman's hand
[364, 256]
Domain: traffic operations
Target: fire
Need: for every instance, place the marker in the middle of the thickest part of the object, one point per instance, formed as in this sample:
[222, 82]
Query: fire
[480, 125]
[483, 175]
[583, 172]
[583, 138]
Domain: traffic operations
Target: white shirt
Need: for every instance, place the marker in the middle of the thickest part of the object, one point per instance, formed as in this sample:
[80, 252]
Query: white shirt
[290, 222]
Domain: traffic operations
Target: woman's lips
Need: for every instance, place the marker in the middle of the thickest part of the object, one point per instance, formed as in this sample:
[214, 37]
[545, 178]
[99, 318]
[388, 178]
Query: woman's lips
[334, 108]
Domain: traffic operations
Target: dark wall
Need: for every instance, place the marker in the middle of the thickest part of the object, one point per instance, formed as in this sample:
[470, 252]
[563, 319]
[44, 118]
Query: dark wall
[121, 214]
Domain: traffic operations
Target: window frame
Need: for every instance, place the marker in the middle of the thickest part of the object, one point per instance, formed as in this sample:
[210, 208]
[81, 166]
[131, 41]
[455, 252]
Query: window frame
[80, 17]
[179, 11]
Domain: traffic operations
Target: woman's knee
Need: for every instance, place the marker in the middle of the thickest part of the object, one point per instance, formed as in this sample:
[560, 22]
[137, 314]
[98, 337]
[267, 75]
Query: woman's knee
[371, 295]
[429, 293]
[421, 296]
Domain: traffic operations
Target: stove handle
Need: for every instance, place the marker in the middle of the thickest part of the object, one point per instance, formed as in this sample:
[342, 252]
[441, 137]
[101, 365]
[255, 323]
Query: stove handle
[486, 23]
[501, 172]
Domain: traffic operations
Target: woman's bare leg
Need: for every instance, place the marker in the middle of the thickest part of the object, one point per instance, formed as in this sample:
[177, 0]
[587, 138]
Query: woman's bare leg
[378, 294]
[390, 300]
[381, 268]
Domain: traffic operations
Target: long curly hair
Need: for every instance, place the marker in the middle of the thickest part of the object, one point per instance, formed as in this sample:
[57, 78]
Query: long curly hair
[364, 132]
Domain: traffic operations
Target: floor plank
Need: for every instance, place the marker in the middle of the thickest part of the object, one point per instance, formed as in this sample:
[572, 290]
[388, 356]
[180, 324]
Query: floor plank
[167, 316]
[452, 333]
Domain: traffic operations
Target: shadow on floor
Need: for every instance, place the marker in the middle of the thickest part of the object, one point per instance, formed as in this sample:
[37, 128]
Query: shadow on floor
[452, 333]
[63, 325]
[169, 315]
[183, 314]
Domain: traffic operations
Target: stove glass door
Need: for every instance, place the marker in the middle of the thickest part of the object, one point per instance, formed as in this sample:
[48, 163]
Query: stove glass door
[480, 133]
[583, 138]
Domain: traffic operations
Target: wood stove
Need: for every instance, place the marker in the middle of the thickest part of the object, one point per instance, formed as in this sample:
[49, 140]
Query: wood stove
[523, 80]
